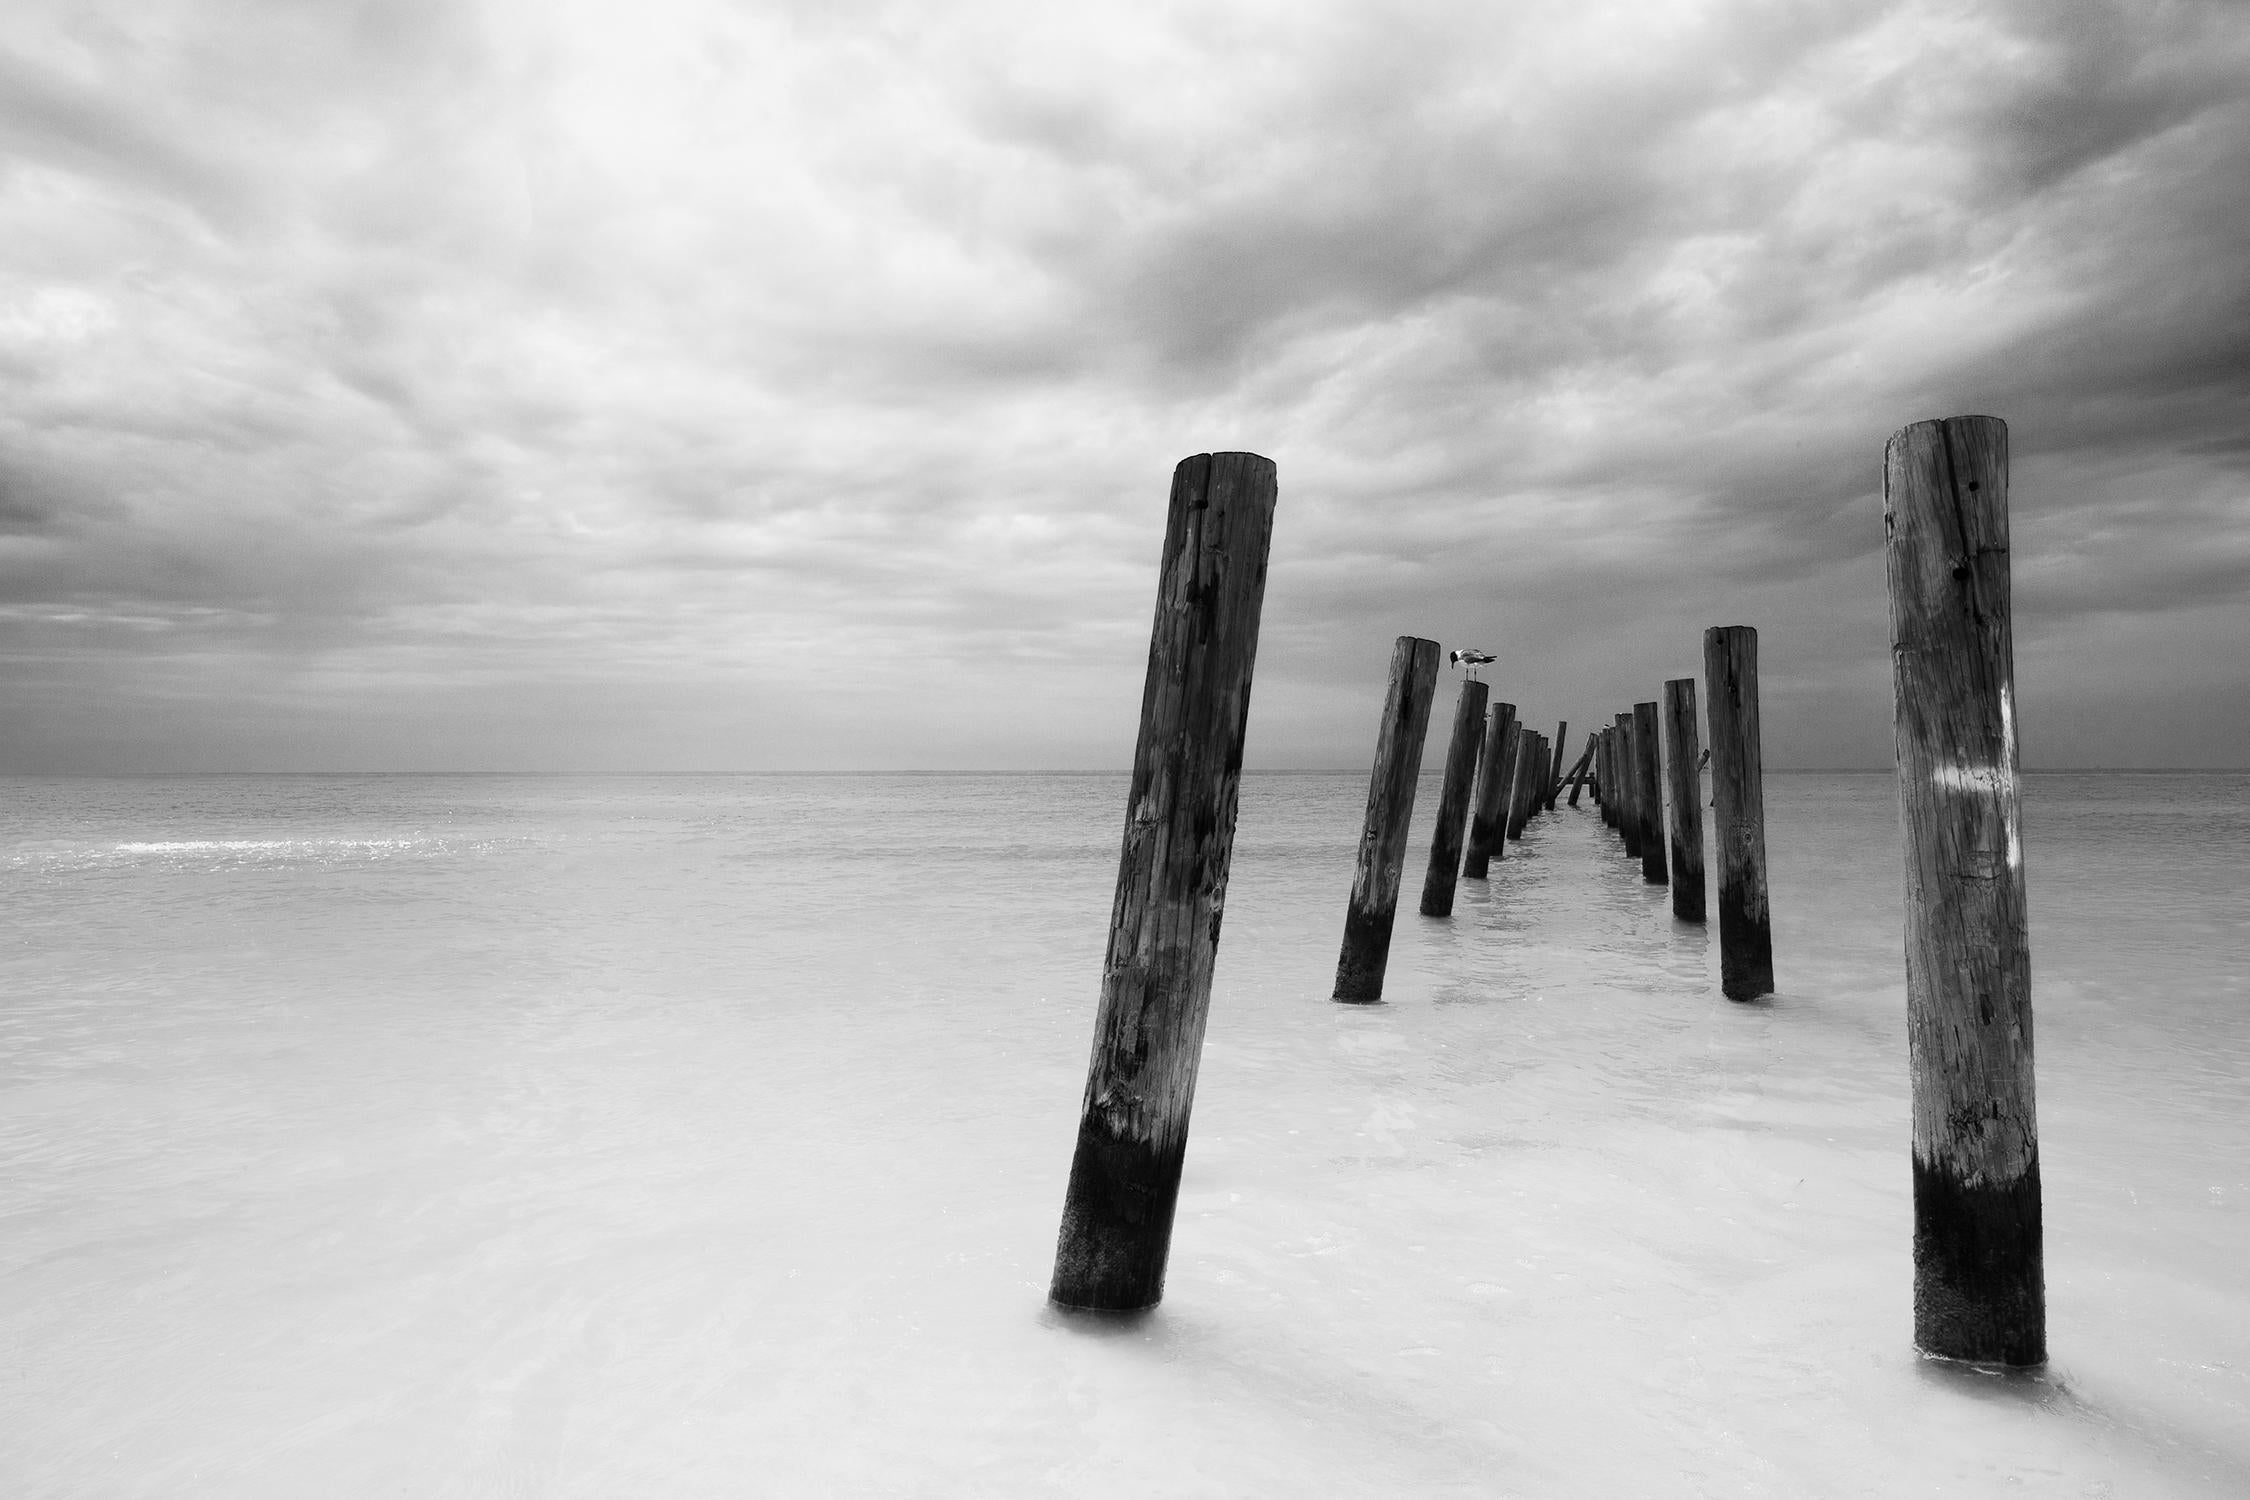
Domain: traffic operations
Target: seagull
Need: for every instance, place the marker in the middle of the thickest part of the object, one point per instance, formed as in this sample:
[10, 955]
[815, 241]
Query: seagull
[1470, 659]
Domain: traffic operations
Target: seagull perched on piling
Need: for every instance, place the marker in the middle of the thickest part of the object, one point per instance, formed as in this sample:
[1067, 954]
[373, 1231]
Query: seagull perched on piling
[1471, 659]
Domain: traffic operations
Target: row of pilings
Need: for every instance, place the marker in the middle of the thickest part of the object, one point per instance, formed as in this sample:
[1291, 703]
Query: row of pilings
[1978, 1261]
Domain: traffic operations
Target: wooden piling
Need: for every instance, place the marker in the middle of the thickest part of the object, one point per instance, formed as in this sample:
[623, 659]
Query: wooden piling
[1578, 771]
[1628, 787]
[1605, 790]
[1524, 788]
[1390, 811]
[1738, 810]
[1683, 748]
[1979, 1284]
[1555, 768]
[1648, 792]
[1171, 885]
[1453, 800]
[1486, 841]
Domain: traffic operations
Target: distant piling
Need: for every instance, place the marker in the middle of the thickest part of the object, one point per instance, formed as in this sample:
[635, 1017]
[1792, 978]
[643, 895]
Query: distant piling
[1605, 788]
[1524, 793]
[1578, 772]
[1171, 885]
[1555, 768]
[1683, 748]
[1738, 798]
[1979, 1282]
[1453, 800]
[1390, 810]
[1648, 792]
[1487, 832]
[1628, 787]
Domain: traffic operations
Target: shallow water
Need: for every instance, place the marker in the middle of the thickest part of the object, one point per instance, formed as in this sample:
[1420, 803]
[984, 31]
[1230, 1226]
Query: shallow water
[684, 1136]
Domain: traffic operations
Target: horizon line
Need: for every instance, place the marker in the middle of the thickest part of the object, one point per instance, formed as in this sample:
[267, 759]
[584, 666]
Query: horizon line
[1426, 771]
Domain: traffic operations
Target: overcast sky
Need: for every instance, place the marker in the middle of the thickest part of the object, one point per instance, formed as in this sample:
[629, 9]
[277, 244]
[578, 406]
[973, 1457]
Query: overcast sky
[681, 384]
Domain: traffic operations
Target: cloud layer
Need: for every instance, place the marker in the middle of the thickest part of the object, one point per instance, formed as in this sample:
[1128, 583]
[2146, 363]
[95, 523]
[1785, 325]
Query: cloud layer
[708, 385]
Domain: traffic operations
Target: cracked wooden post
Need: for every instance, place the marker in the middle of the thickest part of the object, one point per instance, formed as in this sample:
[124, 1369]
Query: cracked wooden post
[1171, 885]
[1628, 787]
[1390, 812]
[1485, 844]
[1453, 800]
[1979, 1287]
[1648, 792]
[1738, 811]
[1683, 748]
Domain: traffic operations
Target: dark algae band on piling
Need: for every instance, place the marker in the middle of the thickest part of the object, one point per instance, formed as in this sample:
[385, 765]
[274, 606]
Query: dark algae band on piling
[1979, 1276]
[1171, 886]
[1373, 909]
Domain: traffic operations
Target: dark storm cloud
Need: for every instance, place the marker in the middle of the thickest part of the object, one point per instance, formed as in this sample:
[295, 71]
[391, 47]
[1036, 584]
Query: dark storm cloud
[403, 363]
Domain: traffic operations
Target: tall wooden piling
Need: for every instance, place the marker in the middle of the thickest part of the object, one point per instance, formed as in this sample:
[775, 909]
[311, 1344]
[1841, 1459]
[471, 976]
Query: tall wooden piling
[1738, 811]
[1648, 792]
[1628, 787]
[1524, 791]
[1556, 769]
[1453, 800]
[1171, 885]
[1487, 841]
[1979, 1284]
[1683, 749]
[1390, 810]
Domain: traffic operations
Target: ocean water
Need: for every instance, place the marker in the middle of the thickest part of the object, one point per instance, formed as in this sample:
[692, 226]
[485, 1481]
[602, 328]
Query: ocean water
[482, 1136]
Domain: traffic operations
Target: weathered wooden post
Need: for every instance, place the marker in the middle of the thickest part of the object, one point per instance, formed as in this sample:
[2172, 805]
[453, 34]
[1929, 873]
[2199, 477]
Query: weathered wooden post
[1683, 745]
[1524, 788]
[1606, 788]
[1628, 787]
[1171, 885]
[1738, 811]
[1648, 792]
[1453, 800]
[1979, 1283]
[1555, 767]
[1500, 732]
[1579, 769]
[1390, 812]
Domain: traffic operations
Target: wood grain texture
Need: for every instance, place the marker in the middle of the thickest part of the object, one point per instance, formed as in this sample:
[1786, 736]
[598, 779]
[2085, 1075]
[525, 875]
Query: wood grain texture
[1683, 750]
[1738, 811]
[1373, 909]
[1979, 1291]
[1171, 885]
[1648, 791]
[1485, 838]
[1444, 870]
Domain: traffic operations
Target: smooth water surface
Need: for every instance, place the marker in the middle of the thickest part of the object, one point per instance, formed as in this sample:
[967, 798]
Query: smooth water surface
[681, 1136]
